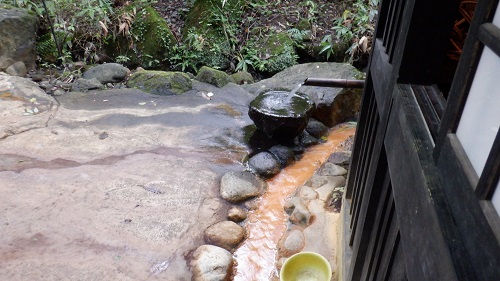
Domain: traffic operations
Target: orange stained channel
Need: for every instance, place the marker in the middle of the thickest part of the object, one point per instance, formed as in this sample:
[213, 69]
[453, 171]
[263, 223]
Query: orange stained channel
[256, 256]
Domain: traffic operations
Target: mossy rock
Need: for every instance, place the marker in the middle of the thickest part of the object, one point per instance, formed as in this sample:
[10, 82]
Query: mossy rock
[201, 16]
[17, 35]
[213, 76]
[242, 77]
[203, 19]
[151, 38]
[304, 25]
[160, 83]
[278, 51]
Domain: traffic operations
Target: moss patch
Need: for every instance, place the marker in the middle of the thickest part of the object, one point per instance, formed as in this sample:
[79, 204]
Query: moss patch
[149, 44]
[212, 76]
[280, 51]
[161, 83]
[213, 26]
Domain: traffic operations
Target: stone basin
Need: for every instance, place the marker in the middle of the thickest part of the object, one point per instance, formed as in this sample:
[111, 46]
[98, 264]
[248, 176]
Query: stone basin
[280, 116]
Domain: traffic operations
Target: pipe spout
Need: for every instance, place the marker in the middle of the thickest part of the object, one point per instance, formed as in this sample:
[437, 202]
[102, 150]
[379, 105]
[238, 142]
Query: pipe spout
[334, 83]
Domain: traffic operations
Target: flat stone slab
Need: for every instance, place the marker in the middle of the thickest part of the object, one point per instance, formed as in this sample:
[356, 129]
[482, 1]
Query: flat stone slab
[117, 183]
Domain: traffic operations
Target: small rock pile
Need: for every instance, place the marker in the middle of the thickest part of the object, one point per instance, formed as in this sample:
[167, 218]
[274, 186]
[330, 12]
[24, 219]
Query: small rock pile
[308, 209]
[58, 82]
[269, 162]
[214, 261]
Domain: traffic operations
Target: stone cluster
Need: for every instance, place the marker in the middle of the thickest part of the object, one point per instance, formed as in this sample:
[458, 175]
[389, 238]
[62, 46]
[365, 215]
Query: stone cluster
[269, 162]
[313, 208]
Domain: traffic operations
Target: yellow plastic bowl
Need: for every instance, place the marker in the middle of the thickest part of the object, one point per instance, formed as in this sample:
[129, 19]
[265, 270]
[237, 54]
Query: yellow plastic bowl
[306, 266]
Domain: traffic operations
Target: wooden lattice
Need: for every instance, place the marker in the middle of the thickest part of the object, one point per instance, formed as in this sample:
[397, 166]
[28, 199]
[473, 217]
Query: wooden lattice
[461, 27]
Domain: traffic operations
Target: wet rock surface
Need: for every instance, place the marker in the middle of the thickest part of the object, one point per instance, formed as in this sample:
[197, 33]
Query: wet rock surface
[281, 115]
[158, 162]
[284, 154]
[236, 187]
[314, 213]
[330, 169]
[226, 234]
[292, 242]
[211, 263]
[316, 129]
[264, 164]
[118, 178]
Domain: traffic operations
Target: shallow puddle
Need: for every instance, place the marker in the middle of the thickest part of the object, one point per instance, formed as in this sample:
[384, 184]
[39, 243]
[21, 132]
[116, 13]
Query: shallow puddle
[256, 257]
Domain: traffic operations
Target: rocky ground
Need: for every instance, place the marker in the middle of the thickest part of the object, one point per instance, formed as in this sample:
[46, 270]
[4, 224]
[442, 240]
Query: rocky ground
[120, 182]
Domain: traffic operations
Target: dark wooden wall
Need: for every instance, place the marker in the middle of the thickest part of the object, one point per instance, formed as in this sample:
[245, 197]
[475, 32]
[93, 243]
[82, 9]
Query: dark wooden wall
[414, 209]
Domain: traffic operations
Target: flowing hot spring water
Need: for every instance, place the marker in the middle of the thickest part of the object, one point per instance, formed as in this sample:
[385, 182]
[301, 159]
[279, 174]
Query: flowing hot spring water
[281, 115]
[265, 225]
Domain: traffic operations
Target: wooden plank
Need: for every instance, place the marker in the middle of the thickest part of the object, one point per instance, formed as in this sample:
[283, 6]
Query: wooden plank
[437, 99]
[383, 12]
[430, 115]
[391, 247]
[398, 15]
[492, 217]
[489, 34]
[359, 136]
[368, 209]
[482, 247]
[375, 247]
[389, 28]
[416, 192]
[383, 76]
[366, 161]
[491, 172]
[398, 269]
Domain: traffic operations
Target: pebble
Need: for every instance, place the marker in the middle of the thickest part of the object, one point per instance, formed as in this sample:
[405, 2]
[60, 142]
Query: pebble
[291, 243]
[59, 92]
[236, 214]
[225, 234]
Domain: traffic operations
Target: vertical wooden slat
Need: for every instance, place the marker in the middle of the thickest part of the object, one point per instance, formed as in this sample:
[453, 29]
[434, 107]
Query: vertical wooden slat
[491, 172]
[376, 248]
[398, 15]
[366, 160]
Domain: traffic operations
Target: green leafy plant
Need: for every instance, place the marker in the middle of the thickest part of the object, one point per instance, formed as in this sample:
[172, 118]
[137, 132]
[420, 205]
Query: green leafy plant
[355, 27]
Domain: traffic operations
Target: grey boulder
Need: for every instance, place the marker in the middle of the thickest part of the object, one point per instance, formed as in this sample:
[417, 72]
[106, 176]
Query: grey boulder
[264, 164]
[107, 73]
[83, 85]
[17, 37]
[236, 187]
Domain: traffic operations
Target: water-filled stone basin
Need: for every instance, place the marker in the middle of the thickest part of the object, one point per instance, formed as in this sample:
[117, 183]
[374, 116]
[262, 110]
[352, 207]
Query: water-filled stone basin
[281, 115]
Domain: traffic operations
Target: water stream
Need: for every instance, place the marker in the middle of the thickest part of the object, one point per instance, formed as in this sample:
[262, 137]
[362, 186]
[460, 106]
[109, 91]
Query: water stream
[265, 225]
[292, 93]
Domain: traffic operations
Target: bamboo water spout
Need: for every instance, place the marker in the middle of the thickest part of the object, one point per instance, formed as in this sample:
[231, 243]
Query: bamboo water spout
[334, 83]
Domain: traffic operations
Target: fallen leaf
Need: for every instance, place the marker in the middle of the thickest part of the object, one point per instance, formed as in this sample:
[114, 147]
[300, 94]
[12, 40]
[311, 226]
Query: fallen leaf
[363, 42]
[33, 100]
